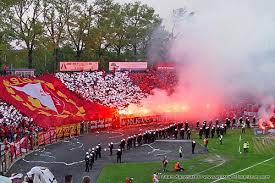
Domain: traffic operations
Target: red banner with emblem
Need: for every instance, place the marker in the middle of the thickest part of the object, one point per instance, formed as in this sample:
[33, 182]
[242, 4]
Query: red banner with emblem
[47, 100]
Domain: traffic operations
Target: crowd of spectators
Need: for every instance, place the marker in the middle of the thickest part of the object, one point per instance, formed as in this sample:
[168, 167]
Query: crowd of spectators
[114, 90]
[13, 124]
[151, 79]
[118, 89]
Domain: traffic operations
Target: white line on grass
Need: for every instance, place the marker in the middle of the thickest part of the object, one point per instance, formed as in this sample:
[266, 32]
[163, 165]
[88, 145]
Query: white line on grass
[235, 181]
[223, 161]
[246, 168]
[268, 164]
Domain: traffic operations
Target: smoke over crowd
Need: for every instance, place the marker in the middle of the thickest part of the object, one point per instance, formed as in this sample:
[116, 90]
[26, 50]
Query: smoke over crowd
[226, 50]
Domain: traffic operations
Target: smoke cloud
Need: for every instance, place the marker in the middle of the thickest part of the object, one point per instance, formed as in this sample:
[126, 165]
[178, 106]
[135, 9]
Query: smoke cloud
[226, 50]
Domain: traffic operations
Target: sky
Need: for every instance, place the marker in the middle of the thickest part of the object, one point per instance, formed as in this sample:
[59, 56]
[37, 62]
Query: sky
[163, 7]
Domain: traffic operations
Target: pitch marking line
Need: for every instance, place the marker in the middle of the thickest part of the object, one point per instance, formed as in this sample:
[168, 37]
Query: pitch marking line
[268, 164]
[262, 162]
[54, 162]
[234, 181]
[223, 161]
[173, 140]
[162, 152]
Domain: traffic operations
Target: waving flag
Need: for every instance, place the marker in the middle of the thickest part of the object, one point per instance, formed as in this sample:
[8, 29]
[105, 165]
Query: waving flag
[48, 101]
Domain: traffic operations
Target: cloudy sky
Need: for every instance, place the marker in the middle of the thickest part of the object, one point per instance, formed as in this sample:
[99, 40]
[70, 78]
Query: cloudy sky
[163, 7]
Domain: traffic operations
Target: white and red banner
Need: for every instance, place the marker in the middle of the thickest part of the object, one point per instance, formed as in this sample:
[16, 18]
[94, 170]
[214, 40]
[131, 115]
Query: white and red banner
[47, 100]
[78, 66]
[121, 66]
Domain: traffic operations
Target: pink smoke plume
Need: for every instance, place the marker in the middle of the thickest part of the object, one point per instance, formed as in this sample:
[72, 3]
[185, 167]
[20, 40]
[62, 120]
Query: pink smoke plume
[225, 49]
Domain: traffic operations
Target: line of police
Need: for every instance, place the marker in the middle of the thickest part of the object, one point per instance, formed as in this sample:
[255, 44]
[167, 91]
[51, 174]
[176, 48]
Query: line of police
[150, 136]
[137, 140]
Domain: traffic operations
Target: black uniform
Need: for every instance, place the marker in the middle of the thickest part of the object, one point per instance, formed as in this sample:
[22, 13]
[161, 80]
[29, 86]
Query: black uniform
[176, 133]
[186, 126]
[218, 131]
[119, 153]
[188, 133]
[182, 133]
[198, 125]
[254, 121]
[111, 147]
[96, 152]
[200, 133]
[139, 140]
[87, 162]
[128, 145]
[123, 144]
[193, 146]
[134, 141]
[228, 123]
[222, 130]
[241, 121]
[99, 150]
[212, 132]
[207, 131]
[248, 123]
[204, 126]
[233, 121]
[92, 159]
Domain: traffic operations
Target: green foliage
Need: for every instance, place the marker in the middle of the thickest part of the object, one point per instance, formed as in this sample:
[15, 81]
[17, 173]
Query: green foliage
[56, 30]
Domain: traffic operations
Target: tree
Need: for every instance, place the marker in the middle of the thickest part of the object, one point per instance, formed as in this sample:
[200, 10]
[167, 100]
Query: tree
[54, 25]
[120, 40]
[4, 38]
[78, 17]
[24, 22]
[141, 21]
[103, 32]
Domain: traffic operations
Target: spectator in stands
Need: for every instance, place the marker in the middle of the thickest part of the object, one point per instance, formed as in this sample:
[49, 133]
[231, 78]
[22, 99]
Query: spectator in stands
[68, 179]
[28, 179]
[119, 89]
[16, 177]
[86, 179]
[113, 90]
[13, 125]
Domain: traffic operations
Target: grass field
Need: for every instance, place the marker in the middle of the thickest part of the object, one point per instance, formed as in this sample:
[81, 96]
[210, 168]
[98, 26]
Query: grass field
[221, 160]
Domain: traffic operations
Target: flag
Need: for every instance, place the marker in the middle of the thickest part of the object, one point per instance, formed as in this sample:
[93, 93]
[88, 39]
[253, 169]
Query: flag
[47, 100]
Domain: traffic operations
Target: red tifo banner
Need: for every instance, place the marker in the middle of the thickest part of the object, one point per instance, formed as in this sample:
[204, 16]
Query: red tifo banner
[47, 100]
